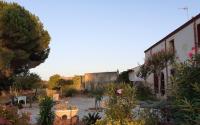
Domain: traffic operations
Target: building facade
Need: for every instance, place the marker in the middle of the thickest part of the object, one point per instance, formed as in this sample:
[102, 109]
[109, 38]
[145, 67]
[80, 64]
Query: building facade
[133, 75]
[180, 41]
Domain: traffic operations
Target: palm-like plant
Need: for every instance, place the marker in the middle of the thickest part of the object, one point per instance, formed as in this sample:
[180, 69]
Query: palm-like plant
[91, 119]
[46, 113]
[98, 95]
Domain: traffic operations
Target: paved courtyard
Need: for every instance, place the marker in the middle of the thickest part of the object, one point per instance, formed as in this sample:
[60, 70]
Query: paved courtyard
[82, 103]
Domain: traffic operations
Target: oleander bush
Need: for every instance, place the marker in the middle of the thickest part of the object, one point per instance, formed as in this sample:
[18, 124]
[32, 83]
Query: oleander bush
[121, 101]
[9, 116]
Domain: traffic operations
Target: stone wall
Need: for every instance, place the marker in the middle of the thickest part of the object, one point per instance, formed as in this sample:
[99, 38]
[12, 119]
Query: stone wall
[92, 80]
[184, 41]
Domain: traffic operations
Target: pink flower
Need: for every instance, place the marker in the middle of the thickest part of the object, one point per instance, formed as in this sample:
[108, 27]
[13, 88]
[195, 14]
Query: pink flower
[4, 121]
[193, 48]
[190, 54]
[119, 91]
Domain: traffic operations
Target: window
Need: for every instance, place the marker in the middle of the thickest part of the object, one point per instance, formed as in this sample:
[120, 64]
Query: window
[155, 83]
[172, 73]
[162, 84]
[171, 45]
[198, 34]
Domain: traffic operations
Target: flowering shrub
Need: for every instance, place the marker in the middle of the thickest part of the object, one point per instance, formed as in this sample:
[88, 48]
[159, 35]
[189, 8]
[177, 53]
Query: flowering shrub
[158, 60]
[192, 52]
[119, 105]
[9, 116]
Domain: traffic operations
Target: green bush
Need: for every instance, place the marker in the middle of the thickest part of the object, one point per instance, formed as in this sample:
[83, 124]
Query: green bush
[115, 122]
[144, 93]
[186, 92]
[26, 81]
[46, 115]
[120, 104]
[68, 92]
[149, 117]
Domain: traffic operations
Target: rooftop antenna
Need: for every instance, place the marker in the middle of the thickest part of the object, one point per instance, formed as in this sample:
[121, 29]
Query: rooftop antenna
[187, 11]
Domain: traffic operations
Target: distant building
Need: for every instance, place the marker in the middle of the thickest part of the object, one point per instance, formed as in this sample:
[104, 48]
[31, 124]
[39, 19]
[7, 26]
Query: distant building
[92, 80]
[67, 78]
[180, 41]
[78, 81]
[133, 75]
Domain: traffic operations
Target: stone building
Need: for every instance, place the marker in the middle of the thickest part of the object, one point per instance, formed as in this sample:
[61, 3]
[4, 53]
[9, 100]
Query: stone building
[180, 41]
[93, 80]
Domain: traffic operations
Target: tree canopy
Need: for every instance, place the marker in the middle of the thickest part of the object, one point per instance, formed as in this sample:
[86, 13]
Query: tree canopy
[24, 43]
[27, 81]
[123, 77]
[156, 62]
[54, 81]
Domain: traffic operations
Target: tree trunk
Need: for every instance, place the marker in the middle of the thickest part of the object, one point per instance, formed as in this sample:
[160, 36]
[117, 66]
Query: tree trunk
[95, 104]
[30, 102]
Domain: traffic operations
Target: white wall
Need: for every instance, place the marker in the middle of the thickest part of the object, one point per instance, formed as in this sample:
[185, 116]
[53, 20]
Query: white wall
[183, 41]
[133, 73]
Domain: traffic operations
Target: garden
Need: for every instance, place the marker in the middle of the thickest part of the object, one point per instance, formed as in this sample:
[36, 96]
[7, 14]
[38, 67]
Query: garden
[27, 100]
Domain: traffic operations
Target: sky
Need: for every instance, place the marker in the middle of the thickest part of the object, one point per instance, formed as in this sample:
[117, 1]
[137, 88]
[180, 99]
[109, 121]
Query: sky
[104, 35]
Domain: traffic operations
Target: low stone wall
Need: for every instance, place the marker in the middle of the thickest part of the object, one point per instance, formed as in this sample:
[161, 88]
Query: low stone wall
[50, 93]
[65, 121]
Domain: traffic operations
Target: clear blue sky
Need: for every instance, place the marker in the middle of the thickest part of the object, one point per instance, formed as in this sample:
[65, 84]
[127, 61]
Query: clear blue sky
[104, 35]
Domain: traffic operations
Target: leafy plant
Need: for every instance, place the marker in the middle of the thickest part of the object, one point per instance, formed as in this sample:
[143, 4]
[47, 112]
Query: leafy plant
[98, 95]
[125, 122]
[91, 119]
[46, 115]
[123, 77]
[149, 117]
[121, 102]
[186, 92]
[144, 93]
